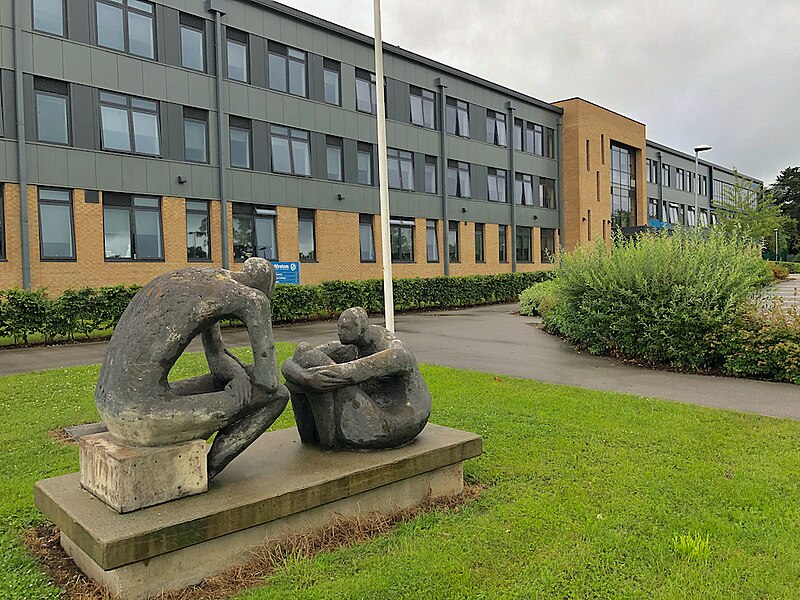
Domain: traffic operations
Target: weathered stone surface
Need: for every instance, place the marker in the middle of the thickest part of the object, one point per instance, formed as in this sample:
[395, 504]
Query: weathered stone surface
[128, 478]
[76, 432]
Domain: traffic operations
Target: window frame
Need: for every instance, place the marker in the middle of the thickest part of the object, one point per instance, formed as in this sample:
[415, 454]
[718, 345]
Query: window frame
[306, 215]
[51, 202]
[549, 235]
[368, 78]
[457, 113]
[126, 9]
[284, 53]
[114, 201]
[45, 88]
[523, 182]
[365, 149]
[518, 133]
[534, 139]
[430, 225]
[365, 220]
[401, 224]
[496, 133]
[240, 125]
[546, 183]
[253, 212]
[494, 177]
[238, 38]
[332, 66]
[191, 210]
[427, 106]
[331, 141]
[520, 235]
[460, 168]
[401, 158]
[502, 244]
[64, 23]
[431, 162]
[453, 228]
[184, 23]
[549, 142]
[130, 110]
[292, 136]
[192, 115]
[480, 257]
[3, 252]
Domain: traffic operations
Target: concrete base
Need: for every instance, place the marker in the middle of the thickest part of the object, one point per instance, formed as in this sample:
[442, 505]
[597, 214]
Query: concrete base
[273, 490]
[128, 478]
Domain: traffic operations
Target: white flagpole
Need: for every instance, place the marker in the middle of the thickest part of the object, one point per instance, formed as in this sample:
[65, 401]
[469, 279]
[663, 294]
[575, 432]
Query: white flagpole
[386, 251]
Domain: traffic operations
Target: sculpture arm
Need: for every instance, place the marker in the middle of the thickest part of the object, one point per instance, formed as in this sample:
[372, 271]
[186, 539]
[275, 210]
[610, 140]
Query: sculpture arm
[312, 379]
[339, 352]
[223, 366]
[385, 363]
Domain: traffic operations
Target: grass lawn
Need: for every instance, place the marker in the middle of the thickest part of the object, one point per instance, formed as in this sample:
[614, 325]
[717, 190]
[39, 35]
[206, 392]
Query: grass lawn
[585, 492]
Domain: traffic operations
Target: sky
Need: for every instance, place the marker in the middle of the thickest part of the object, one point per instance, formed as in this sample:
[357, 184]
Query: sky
[718, 72]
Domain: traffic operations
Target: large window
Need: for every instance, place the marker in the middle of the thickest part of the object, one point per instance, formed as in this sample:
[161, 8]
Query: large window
[665, 179]
[430, 175]
[364, 159]
[195, 135]
[366, 92]
[652, 208]
[48, 16]
[402, 239]
[422, 107]
[431, 241]
[254, 232]
[238, 64]
[548, 244]
[679, 178]
[287, 69]
[523, 189]
[129, 124]
[691, 216]
[2, 224]
[333, 82]
[652, 170]
[193, 42]
[479, 243]
[52, 111]
[198, 231]
[547, 192]
[518, 126]
[549, 142]
[674, 213]
[333, 157]
[401, 169]
[291, 151]
[239, 134]
[502, 243]
[623, 186]
[127, 26]
[306, 235]
[56, 234]
[496, 128]
[497, 185]
[132, 227]
[452, 241]
[534, 139]
[366, 238]
[524, 245]
[458, 179]
[457, 117]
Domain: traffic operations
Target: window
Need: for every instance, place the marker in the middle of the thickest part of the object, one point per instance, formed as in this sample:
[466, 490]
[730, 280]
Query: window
[401, 169]
[452, 241]
[364, 158]
[549, 142]
[523, 189]
[430, 175]
[129, 124]
[458, 179]
[332, 82]
[623, 186]
[665, 175]
[548, 244]
[497, 185]
[457, 117]
[673, 213]
[366, 238]
[689, 182]
[496, 128]
[524, 243]
[198, 232]
[306, 239]
[679, 178]
[502, 243]
[431, 241]
[704, 217]
[587, 156]
[703, 185]
[239, 134]
[287, 70]
[589, 225]
[52, 110]
[652, 208]
[132, 227]
[422, 103]
[291, 152]
[479, 254]
[127, 26]
[56, 235]
[547, 192]
[652, 170]
[691, 216]
[48, 16]
[366, 92]
[517, 134]
[236, 46]
[193, 43]
[402, 239]
[534, 139]
[333, 157]
[254, 232]
[2, 226]
[195, 135]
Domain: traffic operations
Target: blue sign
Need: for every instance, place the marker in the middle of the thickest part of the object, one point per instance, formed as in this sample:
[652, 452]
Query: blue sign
[287, 272]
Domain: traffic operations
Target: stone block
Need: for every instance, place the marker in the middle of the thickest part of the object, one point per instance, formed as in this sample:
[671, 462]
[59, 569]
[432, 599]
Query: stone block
[128, 478]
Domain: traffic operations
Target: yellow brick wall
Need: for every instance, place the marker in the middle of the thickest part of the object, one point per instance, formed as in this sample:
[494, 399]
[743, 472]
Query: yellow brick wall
[11, 268]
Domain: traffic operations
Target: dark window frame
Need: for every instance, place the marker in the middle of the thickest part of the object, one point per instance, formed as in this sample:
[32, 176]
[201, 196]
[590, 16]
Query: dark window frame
[54, 89]
[331, 141]
[518, 133]
[64, 32]
[245, 125]
[124, 6]
[365, 220]
[238, 38]
[496, 133]
[367, 77]
[3, 255]
[547, 242]
[427, 105]
[453, 227]
[288, 55]
[190, 210]
[51, 202]
[291, 136]
[480, 257]
[534, 139]
[401, 158]
[523, 233]
[253, 212]
[430, 225]
[500, 185]
[332, 66]
[196, 116]
[366, 149]
[459, 168]
[130, 109]
[545, 183]
[523, 183]
[457, 117]
[502, 244]
[195, 24]
[432, 162]
[400, 224]
[306, 215]
[549, 142]
[116, 201]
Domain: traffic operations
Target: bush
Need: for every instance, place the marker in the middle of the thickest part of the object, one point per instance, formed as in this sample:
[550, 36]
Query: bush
[792, 267]
[779, 272]
[538, 299]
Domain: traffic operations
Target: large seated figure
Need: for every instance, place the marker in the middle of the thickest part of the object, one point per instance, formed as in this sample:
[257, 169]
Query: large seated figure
[141, 407]
[362, 392]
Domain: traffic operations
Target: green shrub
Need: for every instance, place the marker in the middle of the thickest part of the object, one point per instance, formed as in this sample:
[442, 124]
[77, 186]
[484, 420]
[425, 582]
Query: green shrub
[538, 299]
[779, 272]
[792, 267]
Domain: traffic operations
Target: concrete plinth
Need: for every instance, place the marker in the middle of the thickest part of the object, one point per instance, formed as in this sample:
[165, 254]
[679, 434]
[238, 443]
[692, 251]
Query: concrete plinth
[275, 489]
[128, 478]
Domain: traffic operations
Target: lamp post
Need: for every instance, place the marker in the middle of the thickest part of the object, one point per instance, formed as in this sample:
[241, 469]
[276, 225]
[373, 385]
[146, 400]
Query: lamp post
[698, 150]
[776, 245]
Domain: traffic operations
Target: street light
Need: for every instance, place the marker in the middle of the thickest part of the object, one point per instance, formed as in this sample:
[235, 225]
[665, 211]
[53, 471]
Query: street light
[776, 245]
[697, 150]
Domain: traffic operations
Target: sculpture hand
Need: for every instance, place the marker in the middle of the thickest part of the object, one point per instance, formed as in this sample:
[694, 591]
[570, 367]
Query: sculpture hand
[240, 389]
[325, 378]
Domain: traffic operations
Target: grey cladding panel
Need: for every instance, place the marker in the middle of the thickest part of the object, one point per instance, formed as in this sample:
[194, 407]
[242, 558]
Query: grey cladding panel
[85, 121]
[79, 15]
[260, 135]
[397, 102]
[9, 116]
[350, 151]
[419, 171]
[258, 61]
[319, 156]
[479, 182]
[30, 108]
[169, 36]
[211, 60]
[316, 83]
[172, 128]
[477, 122]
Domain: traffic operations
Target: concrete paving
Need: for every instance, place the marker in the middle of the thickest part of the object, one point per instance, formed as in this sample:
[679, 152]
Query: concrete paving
[788, 291]
[496, 340]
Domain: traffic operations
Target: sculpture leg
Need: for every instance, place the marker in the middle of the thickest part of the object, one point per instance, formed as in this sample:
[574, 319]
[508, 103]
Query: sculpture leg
[322, 407]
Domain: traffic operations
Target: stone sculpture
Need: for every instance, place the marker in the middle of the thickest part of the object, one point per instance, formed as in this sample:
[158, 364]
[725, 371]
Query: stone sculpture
[142, 408]
[363, 392]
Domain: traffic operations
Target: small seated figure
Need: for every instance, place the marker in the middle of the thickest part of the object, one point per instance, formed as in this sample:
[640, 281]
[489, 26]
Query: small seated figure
[364, 392]
[239, 402]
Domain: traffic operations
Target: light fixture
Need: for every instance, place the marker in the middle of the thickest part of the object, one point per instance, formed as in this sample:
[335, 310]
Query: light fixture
[182, 179]
[340, 197]
[464, 210]
[697, 150]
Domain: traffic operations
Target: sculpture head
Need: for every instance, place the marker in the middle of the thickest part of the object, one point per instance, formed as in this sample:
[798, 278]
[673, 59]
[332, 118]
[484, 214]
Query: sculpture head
[258, 273]
[353, 325]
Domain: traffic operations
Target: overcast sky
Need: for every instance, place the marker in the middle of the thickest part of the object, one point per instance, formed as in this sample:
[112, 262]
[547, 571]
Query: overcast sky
[719, 72]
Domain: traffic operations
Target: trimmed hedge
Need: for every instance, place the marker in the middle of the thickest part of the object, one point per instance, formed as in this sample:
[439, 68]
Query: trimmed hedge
[80, 312]
[792, 267]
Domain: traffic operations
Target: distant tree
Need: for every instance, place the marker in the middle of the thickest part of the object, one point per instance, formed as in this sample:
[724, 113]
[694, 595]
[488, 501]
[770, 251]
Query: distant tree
[786, 191]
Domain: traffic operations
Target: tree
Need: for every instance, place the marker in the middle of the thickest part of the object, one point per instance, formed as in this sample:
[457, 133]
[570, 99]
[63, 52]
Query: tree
[786, 191]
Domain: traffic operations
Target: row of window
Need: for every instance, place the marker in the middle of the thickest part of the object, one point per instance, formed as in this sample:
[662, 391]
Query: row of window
[676, 177]
[680, 214]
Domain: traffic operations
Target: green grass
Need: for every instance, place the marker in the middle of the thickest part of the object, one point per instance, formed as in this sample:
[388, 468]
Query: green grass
[589, 494]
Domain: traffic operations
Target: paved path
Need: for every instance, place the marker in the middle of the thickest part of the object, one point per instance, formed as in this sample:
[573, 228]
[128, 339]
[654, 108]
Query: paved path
[788, 291]
[496, 340]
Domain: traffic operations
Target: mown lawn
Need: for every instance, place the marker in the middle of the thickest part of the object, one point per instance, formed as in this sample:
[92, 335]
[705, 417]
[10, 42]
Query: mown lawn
[584, 494]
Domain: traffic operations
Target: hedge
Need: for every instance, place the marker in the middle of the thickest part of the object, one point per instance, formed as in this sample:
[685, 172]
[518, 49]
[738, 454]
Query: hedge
[80, 312]
[792, 267]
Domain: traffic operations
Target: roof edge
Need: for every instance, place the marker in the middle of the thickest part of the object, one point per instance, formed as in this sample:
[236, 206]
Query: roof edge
[619, 114]
[687, 156]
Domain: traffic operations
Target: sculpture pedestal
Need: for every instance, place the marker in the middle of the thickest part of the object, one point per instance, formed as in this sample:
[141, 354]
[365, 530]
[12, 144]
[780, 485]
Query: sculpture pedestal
[128, 478]
[273, 490]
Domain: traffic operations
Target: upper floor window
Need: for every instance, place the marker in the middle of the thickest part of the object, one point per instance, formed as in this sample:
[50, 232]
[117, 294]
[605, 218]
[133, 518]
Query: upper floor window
[517, 134]
[48, 16]
[422, 107]
[457, 117]
[195, 135]
[689, 181]
[198, 230]
[333, 155]
[402, 239]
[401, 169]
[652, 170]
[547, 192]
[129, 124]
[291, 151]
[306, 238]
[496, 128]
[366, 92]
[127, 26]
[254, 232]
[332, 79]
[193, 43]
[679, 178]
[237, 50]
[56, 235]
[549, 142]
[366, 238]
[287, 69]
[430, 175]
[497, 185]
[132, 227]
[458, 183]
[239, 134]
[534, 139]
[52, 111]
[665, 175]
[523, 189]
[703, 187]
[364, 159]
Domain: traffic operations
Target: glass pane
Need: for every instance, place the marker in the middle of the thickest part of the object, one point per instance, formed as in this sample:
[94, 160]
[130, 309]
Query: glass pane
[56, 227]
[240, 148]
[502, 139]
[492, 188]
[143, 6]
[431, 244]
[407, 174]
[301, 155]
[195, 141]
[334, 156]
[452, 242]
[366, 241]
[331, 87]
[393, 167]
[305, 234]
[277, 72]
[145, 201]
[48, 16]
[528, 190]
[237, 61]
[501, 188]
[145, 133]
[416, 110]
[427, 107]
[265, 237]
[363, 102]
[51, 118]
[365, 168]
[297, 78]
[140, 35]
[110, 27]
[452, 181]
[197, 242]
[148, 234]
[116, 134]
[450, 118]
[430, 178]
[243, 238]
[192, 49]
[463, 180]
[117, 233]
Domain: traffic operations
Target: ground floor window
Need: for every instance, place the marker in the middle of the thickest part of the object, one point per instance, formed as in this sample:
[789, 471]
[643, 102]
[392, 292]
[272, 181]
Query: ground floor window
[479, 243]
[548, 244]
[306, 235]
[652, 208]
[402, 238]
[56, 234]
[502, 242]
[132, 227]
[254, 232]
[366, 238]
[452, 241]
[524, 245]
[431, 241]
[2, 225]
[198, 232]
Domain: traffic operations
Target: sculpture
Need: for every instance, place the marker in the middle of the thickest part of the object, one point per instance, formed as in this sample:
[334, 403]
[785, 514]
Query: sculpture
[239, 402]
[363, 392]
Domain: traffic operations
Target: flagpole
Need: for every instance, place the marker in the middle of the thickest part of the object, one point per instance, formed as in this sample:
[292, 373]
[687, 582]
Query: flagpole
[383, 177]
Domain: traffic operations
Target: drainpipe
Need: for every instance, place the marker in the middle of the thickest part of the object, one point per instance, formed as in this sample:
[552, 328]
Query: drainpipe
[217, 7]
[443, 170]
[560, 186]
[22, 164]
[660, 207]
[510, 183]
